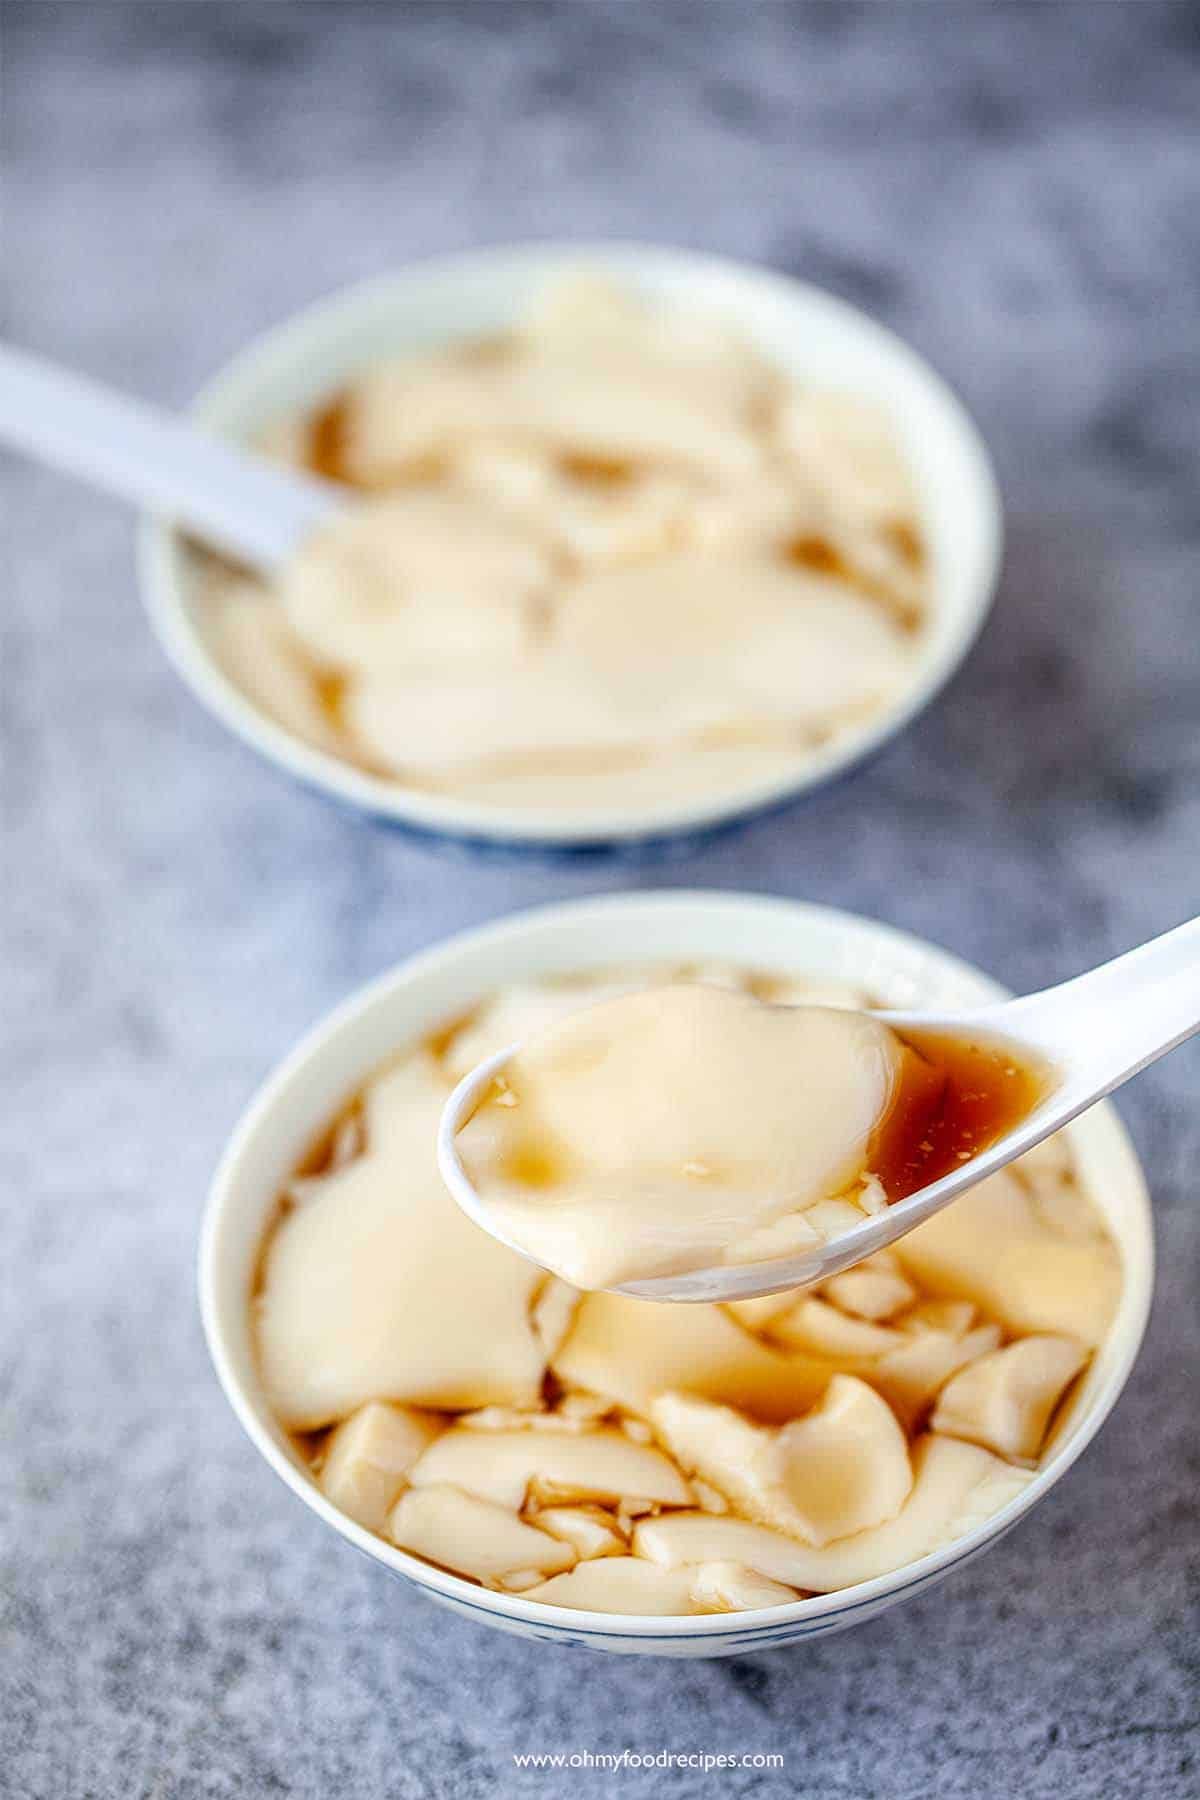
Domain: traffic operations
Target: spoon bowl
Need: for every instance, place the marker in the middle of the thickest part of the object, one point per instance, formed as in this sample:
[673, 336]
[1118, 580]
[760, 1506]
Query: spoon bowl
[1089, 1034]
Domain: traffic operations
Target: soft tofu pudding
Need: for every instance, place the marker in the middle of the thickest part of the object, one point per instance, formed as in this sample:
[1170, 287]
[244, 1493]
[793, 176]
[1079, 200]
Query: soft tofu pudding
[614, 556]
[592, 1450]
[669, 1130]
[688, 1126]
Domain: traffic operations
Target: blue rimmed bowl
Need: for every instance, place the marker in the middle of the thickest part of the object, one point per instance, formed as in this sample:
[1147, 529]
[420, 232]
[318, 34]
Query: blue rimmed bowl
[810, 334]
[338, 1056]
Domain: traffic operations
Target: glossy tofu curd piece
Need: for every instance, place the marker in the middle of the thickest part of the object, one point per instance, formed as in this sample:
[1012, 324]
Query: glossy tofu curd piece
[653, 1133]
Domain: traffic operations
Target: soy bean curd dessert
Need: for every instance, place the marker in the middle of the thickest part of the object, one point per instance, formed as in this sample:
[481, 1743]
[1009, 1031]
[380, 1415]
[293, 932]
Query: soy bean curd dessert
[595, 1451]
[686, 1126]
[614, 556]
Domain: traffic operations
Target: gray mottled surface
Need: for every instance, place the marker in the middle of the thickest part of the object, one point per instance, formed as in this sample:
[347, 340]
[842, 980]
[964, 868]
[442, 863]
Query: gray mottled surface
[1017, 191]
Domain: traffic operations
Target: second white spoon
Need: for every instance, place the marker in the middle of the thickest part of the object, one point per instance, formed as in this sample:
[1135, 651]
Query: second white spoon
[231, 499]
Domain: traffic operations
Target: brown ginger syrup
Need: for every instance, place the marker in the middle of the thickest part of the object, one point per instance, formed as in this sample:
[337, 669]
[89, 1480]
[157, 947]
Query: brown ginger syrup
[327, 441]
[955, 1098]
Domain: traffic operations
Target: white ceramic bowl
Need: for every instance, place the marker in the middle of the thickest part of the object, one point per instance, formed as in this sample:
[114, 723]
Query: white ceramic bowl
[335, 1059]
[809, 333]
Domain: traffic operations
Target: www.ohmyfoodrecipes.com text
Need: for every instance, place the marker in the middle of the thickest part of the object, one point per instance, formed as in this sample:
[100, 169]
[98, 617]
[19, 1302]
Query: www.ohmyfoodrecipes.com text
[649, 1759]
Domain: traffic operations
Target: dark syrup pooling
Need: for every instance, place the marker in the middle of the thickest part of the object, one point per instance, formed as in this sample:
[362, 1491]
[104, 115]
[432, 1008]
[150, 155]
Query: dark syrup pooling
[955, 1098]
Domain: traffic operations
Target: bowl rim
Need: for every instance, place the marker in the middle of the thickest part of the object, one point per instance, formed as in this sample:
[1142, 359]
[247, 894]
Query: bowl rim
[163, 579]
[345, 1019]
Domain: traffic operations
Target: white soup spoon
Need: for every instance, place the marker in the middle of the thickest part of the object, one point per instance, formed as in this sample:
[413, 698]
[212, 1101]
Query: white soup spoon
[231, 499]
[1089, 1035]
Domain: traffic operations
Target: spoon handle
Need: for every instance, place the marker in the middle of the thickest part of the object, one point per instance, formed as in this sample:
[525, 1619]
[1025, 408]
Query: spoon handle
[231, 499]
[1107, 1024]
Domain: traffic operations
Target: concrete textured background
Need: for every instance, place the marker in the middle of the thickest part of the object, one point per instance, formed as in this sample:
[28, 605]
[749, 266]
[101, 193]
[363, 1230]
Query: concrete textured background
[1017, 189]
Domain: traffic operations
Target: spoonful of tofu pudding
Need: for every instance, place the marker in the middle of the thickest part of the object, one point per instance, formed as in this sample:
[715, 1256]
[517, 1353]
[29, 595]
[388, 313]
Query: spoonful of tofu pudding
[693, 1143]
